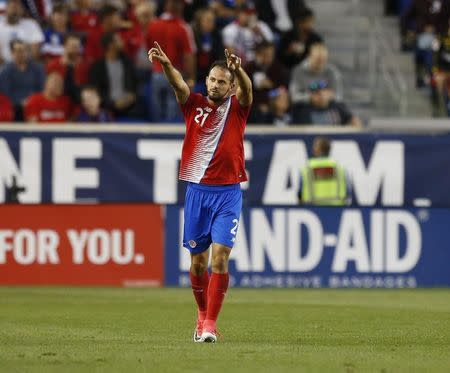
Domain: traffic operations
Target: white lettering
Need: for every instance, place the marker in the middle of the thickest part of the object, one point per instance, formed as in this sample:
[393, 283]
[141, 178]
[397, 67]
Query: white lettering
[123, 255]
[5, 244]
[166, 154]
[352, 244]
[380, 175]
[78, 242]
[24, 246]
[66, 176]
[29, 173]
[394, 221]
[298, 261]
[48, 242]
[283, 178]
[98, 247]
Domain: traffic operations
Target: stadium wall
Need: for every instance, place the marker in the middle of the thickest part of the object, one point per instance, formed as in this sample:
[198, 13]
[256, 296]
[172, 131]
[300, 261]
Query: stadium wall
[128, 233]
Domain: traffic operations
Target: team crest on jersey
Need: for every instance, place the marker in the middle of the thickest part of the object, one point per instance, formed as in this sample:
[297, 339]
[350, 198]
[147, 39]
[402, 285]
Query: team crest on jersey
[192, 243]
[207, 109]
[221, 110]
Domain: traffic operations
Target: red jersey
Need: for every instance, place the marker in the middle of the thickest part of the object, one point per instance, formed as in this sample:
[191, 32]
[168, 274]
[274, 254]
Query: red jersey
[83, 21]
[213, 148]
[48, 111]
[81, 69]
[6, 109]
[174, 36]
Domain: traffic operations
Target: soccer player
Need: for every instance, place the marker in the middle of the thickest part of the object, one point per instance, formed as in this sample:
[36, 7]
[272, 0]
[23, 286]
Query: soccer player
[212, 163]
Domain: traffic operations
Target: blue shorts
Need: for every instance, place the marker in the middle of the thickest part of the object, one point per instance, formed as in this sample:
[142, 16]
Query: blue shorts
[211, 214]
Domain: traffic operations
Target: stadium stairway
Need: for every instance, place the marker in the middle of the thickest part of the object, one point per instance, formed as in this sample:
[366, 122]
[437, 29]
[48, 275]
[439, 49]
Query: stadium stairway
[365, 46]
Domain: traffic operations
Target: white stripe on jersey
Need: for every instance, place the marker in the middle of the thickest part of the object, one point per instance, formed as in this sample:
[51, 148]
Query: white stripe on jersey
[206, 145]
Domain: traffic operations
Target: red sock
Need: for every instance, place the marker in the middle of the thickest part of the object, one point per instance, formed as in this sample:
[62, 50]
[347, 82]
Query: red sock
[200, 289]
[218, 285]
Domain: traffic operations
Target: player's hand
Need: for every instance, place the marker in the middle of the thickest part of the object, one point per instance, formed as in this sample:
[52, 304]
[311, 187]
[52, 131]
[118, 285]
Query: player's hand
[233, 62]
[157, 53]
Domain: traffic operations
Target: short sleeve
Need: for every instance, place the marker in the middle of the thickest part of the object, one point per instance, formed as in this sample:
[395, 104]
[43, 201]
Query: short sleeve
[188, 39]
[33, 31]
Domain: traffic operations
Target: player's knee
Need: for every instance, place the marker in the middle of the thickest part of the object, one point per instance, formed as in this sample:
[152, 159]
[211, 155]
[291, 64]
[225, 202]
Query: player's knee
[219, 263]
[198, 269]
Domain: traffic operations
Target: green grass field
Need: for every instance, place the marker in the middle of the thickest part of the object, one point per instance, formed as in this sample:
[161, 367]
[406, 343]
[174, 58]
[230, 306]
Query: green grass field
[149, 330]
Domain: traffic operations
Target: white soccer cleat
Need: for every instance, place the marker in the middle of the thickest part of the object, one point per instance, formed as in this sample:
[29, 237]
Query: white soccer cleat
[198, 332]
[209, 336]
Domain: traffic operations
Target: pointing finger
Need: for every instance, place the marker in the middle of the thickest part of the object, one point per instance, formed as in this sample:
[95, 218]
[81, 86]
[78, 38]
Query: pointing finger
[227, 54]
[158, 46]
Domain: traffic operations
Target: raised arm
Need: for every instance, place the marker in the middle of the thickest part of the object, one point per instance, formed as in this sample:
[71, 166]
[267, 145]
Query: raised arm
[244, 92]
[173, 75]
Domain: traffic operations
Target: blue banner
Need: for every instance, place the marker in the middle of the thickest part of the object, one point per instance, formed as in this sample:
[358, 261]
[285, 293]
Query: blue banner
[142, 166]
[327, 247]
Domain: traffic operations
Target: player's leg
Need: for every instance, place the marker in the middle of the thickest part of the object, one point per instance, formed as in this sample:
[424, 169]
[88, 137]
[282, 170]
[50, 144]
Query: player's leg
[223, 233]
[218, 286]
[197, 239]
[200, 281]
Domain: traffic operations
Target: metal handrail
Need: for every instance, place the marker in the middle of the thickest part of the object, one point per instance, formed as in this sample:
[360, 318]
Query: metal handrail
[380, 55]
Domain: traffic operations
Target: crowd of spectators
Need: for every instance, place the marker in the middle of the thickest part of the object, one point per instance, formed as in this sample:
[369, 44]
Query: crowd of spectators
[86, 60]
[425, 31]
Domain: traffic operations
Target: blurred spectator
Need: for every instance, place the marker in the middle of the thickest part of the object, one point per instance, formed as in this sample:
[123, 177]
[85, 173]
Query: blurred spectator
[114, 76]
[267, 74]
[110, 21]
[6, 109]
[278, 14]
[209, 44]
[295, 45]
[49, 106]
[241, 36]
[83, 19]
[71, 66]
[422, 21]
[224, 10]
[323, 181]
[21, 77]
[323, 109]
[54, 35]
[39, 9]
[279, 105]
[175, 37]
[91, 111]
[315, 68]
[136, 37]
[14, 26]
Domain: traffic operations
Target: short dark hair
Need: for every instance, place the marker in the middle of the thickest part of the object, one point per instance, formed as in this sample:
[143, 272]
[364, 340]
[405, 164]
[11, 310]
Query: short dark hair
[324, 145]
[263, 45]
[71, 35]
[106, 11]
[13, 43]
[223, 65]
[303, 14]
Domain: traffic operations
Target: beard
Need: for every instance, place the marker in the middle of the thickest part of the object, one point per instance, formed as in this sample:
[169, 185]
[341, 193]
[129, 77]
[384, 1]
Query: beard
[215, 96]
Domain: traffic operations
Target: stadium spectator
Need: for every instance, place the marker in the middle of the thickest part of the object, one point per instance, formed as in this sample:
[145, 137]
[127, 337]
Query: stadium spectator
[20, 78]
[295, 45]
[224, 10]
[91, 111]
[440, 74]
[136, 37]
[110, 21]
[323, 181]
[175, 37]
[242, 35]
[315, 68]
[49, 106]
[114, 76]
[71, 66]
[279, 107]
[14, 26]
[6, 109]
[209, 44]
[422, 21]
[323, 109]
[84, 18]
[53, 45]
[267, 74]
[279, 14]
